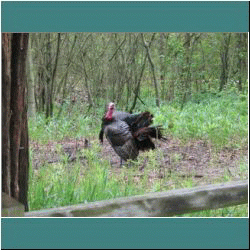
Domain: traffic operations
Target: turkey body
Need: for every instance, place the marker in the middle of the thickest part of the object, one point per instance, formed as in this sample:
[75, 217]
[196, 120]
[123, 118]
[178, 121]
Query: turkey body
[119, 135]
[129, 133]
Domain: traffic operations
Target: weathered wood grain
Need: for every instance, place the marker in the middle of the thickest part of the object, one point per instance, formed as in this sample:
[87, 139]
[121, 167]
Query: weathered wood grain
[161, 204]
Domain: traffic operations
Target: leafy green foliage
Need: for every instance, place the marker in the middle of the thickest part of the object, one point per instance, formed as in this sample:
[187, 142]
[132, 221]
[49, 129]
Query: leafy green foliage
[73, 121]
[219, 119]
[222, 120]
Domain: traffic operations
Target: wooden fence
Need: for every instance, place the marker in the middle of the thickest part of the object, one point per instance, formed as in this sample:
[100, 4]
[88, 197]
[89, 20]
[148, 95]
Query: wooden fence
[160, 204]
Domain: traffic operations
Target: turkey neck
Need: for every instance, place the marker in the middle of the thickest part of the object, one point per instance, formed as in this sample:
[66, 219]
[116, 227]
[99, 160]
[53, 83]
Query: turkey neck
[109, 115]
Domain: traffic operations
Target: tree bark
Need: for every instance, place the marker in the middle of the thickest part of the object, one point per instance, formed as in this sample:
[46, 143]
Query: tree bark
[186, 69]
[162, 55]
[6, 112]
[48, 61]
[24, 162]
[224, 60]
[52, 83]
[14, 127]
[240, 61]
[138, 85]
[31, 85]
[157, 99]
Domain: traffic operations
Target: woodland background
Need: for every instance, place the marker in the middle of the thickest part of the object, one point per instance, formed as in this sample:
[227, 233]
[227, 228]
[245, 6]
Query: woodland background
[195, 84]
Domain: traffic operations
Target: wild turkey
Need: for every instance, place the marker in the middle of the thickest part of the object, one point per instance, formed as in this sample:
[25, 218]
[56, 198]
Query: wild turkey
[129, 133]
[133, 120]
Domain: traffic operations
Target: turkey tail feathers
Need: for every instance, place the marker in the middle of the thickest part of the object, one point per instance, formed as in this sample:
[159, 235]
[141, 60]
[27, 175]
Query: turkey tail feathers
[152, 131]
[143, 137]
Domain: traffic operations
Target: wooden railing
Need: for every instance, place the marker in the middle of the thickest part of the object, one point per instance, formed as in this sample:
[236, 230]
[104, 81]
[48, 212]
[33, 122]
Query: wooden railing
[160, 204]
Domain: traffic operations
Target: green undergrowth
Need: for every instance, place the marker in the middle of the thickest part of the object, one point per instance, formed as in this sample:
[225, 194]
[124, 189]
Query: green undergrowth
[73, 122]
[91, 179]
[85, 181]
[221, 120]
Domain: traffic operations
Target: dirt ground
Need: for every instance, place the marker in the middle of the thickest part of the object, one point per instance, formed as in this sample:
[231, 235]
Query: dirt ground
[195, 159]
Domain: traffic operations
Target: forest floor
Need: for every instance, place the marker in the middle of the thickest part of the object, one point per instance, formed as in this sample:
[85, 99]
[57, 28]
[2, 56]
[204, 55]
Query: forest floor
[194, 159]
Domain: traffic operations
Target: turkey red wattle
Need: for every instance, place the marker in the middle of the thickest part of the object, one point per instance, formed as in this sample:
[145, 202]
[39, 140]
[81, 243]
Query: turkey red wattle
[109, 114]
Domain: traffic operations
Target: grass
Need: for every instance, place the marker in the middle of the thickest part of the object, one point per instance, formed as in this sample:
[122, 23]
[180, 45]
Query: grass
[234, 211]
[59, 185]
[222, 121]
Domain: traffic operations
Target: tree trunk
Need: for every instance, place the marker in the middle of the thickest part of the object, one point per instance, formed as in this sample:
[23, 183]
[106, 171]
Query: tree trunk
[48, 60]
[24, 161]
[14, 127]
[224, 60]
[157, 99]
[52, 83]
[162, 54]
[31, 86]
[138, 85]
[240, 61]
[186, 69]
[6, 112]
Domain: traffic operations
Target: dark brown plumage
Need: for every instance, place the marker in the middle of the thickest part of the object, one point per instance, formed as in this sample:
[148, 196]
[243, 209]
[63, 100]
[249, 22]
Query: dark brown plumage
[129, 133]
